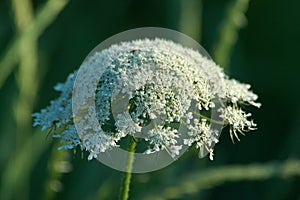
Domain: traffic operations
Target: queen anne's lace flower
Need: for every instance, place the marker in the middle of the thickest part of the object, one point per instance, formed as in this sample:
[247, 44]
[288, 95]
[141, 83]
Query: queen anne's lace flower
[162, 81]
[163, 138]
[203, 135]
[237, 119]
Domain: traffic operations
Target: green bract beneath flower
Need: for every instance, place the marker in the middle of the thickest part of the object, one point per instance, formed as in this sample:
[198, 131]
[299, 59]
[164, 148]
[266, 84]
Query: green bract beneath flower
[167, 85]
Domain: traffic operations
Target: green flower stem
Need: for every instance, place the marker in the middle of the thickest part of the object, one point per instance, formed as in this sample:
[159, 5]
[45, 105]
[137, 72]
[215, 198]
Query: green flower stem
[204, 117]
[208, 119]
[127, 175]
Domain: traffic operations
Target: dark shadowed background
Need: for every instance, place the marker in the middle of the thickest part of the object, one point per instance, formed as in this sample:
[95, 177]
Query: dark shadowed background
[257, 42]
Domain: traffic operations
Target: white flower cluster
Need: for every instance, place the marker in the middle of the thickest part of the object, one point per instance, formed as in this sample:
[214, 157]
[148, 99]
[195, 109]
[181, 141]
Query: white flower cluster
[237, 119]
[166, 85]
[163, 138]
[204, 137]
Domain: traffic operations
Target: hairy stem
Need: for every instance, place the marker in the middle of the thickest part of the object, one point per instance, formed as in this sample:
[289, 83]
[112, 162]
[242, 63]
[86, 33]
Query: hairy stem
[127, 174]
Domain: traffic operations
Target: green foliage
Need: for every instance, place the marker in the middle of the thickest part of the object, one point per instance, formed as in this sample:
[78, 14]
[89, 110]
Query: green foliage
[53, 40]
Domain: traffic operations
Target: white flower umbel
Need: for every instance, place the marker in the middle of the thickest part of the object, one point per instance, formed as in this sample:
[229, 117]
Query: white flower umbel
[161, 80]
[237, 119]
[163, 138]
[203, 135]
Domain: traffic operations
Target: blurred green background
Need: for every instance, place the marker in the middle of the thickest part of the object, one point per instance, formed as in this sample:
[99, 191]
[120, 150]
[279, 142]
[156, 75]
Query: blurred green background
[256, 41]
